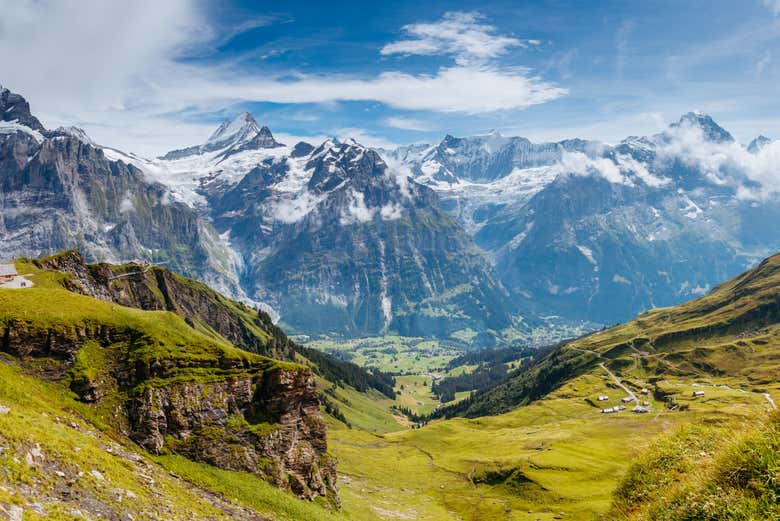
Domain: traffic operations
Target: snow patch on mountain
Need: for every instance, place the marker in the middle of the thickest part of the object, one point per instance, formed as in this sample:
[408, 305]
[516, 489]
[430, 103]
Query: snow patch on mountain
[10, 127]
[291, 209]
[588, 254]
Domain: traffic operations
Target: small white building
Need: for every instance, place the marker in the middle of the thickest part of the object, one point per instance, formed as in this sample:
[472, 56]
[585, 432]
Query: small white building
[627, 399]
[644, 391]
[603, 398]
[7, 272]
[698, 393]
[640, 410]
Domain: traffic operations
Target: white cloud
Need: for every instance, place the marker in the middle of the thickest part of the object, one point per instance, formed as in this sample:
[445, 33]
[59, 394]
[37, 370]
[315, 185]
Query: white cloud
[126, 205]
[130, 90]
[753, 176]
[357, 211]
[406, 123]
[468, 90]
[459, 34]
[617, 171]
[773, 5]
[391, 212]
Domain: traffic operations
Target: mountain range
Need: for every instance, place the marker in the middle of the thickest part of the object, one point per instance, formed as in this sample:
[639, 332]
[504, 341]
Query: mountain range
[482, 239]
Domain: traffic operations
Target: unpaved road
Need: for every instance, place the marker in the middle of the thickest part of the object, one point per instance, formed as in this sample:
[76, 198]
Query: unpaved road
[618, 382]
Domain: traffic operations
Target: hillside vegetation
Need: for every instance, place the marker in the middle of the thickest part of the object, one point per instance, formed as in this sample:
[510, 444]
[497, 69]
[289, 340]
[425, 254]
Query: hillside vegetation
[733, 331]
[705, 370]
[706, 473]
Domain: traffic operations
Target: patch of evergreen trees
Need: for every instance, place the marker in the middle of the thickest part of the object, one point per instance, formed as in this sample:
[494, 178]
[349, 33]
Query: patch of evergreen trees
[325, 365]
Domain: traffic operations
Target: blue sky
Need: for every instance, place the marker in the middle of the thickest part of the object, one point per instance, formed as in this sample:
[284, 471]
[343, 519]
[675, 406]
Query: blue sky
[395, 73]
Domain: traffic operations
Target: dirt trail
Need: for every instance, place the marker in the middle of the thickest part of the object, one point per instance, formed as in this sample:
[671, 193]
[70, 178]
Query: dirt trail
[618, 382]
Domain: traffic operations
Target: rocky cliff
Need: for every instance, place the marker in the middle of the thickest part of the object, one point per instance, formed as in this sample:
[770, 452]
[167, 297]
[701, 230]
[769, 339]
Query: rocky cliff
[59, 190]
[344, 245]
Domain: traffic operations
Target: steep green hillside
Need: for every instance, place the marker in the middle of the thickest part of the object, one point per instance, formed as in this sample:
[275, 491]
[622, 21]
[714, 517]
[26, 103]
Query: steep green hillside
[158, 379]
[705, 473]
[732, 332]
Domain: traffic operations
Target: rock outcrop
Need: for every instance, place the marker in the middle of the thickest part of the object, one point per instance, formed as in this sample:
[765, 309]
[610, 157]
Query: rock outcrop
[268, 423]
[59, 190]
[158, 289]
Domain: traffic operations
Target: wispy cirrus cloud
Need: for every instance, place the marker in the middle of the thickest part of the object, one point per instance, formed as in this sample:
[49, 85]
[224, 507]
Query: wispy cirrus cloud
[406, 123]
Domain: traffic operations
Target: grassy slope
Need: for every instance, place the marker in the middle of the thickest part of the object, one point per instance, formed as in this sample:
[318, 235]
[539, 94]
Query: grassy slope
[163, 335]
[556, 455]
[705, 473]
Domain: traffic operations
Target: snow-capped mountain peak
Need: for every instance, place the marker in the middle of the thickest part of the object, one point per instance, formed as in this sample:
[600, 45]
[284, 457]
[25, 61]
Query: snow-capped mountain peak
[75, 132]
[234, 135]
[757, 144]
[240, 128]
[710, 129]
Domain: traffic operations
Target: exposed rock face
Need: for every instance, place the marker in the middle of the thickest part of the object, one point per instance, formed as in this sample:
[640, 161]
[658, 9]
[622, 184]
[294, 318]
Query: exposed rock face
[158, 289]
[14, 107]
[59, 191]
[269, 424]
[330, 236]
[344, 245]
[596, 232]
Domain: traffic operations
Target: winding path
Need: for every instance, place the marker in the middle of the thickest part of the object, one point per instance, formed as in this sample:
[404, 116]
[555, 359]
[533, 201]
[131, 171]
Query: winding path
[618, 382]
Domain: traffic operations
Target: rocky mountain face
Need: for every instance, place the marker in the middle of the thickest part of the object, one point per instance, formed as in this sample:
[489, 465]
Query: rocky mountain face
[59, 191]
[589, 231]
[333, 241]
[328, 238]
[482, 158]
[345, 246]
[173, 384]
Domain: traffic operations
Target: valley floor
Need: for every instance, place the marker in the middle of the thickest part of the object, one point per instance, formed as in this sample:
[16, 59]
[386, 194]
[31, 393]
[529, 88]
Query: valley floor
[559, 458]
